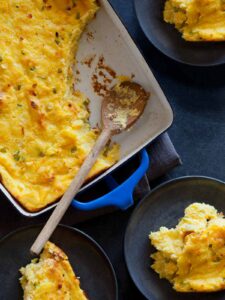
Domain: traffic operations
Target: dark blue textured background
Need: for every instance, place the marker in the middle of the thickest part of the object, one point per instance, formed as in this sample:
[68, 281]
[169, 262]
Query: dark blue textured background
[197, 96]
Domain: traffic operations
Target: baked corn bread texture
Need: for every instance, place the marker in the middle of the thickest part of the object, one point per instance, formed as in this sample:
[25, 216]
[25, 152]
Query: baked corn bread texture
[45, 133]
[51, 277]
[192, 255]
[197, 20]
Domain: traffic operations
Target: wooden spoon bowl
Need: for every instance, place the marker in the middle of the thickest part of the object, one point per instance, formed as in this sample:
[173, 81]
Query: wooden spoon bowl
[123, 105]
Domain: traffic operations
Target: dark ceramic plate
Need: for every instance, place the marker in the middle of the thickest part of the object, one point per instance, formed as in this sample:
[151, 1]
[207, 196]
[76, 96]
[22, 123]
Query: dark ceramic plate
[87, 258]
[168, 40]
[163, 207]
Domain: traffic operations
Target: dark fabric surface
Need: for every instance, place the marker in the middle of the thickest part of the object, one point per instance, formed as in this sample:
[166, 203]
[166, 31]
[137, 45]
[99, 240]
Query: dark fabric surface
[163, 159]
[197, 96]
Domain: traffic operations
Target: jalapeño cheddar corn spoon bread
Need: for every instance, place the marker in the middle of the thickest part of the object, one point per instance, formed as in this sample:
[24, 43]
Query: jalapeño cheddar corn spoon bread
[45, 133]
[51, 277]
[197, 20]
[192, 255]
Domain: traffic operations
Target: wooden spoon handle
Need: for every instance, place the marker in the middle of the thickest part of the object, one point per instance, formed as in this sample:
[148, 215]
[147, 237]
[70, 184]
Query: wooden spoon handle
[74, 187]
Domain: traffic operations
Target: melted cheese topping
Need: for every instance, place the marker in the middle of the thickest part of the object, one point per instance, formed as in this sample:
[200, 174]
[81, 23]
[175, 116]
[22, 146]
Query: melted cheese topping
[45, 133]
[192, 255]
[51, 277]
[197, 20]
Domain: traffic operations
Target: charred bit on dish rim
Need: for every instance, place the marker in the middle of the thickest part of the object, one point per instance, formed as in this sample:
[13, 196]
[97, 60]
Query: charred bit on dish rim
[88, 60]
[90, 36]
[102, 77]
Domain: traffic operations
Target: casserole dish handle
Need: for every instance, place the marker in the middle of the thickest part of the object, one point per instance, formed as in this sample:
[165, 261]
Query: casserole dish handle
[122, 195]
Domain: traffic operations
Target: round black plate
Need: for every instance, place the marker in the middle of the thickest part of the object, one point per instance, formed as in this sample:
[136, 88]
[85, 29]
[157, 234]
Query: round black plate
[163, 207]
[87, 258]
[168, 40]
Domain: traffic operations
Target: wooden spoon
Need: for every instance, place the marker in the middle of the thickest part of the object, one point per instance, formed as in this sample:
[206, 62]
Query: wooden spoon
[121, 108]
